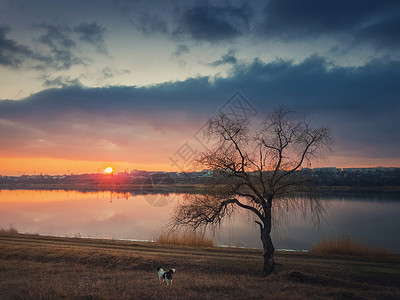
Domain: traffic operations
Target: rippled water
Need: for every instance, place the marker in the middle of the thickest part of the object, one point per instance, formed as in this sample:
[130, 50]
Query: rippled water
[370, 218]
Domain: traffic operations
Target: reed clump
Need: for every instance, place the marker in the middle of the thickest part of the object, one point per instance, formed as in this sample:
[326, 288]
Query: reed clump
[185, 239]
[343, 245]
[8, 230]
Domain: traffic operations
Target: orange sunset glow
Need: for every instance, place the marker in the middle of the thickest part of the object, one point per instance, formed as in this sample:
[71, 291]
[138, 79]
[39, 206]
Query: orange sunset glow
[13, 166]
[108, 170]
[220, 138]
[106, 102]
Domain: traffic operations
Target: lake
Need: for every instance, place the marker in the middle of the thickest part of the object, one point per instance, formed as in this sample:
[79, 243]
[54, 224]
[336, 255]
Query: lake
[371, 218]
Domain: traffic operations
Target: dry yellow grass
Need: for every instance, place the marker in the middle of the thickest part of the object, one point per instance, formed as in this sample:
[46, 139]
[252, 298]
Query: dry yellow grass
[8, 230]
[39, 267]
[185, 239]
[345, 246]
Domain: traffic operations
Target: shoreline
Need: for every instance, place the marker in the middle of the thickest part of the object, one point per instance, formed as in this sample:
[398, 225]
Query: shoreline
[172, 188]
[154, 241]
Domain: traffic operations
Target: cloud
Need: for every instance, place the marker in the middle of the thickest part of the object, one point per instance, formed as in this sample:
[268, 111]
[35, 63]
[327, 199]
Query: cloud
[214, 23]
[196, 20]
[62, 45]
[13, 54]
[347, 24]
[228, 58]
[373, 22]
[181, 49]
[61, 81]
[108, 73]
[382, 33]
[92, 33]
[360, 104]
[58, 38]
[149, 23]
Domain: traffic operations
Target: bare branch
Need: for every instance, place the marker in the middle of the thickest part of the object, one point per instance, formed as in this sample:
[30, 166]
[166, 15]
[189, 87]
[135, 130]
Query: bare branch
[257, 171]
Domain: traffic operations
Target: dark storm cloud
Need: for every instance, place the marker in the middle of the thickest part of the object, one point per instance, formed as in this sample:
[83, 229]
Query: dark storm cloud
[228, 58]
[209, 21]
[382, 34]
[313, 85]
[13, 54]
[349, 23]
[92, 33]
[317, 85]
[360, 104]
[214, 23]
[371, 21]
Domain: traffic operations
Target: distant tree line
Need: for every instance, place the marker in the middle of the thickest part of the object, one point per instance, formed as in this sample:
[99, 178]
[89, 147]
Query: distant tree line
[363, 177]
[355, 177]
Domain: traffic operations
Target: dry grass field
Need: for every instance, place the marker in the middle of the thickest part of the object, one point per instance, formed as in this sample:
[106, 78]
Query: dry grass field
[39, 267]
[345, 246]
[185, 239]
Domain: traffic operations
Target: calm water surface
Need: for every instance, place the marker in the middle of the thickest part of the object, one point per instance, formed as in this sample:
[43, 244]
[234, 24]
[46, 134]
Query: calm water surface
[373, 219]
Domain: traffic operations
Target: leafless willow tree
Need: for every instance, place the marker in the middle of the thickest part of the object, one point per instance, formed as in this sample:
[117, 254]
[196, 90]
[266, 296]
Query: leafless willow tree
[258, 171]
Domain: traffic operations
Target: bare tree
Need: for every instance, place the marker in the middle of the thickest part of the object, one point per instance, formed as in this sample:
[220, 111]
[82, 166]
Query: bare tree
[258, 171]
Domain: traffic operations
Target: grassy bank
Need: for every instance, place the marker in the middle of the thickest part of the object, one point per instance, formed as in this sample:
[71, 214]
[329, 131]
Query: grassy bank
[345, 246]
[33, 267]
[185, 239]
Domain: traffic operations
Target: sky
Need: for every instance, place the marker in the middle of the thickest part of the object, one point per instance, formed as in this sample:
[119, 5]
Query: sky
[129, 84]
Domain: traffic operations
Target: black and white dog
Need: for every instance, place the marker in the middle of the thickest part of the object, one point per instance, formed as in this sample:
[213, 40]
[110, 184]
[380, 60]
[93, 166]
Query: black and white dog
[165, 276]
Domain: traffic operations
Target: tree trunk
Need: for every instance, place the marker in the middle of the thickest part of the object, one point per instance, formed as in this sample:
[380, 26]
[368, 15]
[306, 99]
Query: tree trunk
[269, 250]
[268, 246]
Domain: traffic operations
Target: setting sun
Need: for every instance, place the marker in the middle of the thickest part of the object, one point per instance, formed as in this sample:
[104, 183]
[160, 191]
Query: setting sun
[108, 170]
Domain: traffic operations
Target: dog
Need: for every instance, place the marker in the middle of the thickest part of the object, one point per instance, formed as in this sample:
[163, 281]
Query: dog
[165, 276]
